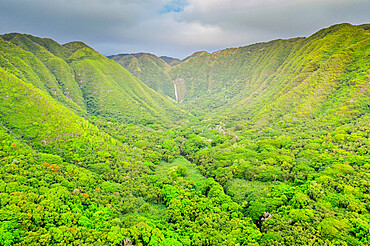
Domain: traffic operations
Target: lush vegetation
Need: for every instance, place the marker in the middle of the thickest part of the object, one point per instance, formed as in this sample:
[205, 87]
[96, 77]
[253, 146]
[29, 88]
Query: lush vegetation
[150, 69]
[84, 80]
[277, 151]
[282, 77]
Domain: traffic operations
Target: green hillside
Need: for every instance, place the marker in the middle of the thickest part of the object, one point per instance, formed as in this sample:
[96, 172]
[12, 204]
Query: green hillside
[278, 152]
[262, 73]
[150, 69]
[281, 74]
[84, 80]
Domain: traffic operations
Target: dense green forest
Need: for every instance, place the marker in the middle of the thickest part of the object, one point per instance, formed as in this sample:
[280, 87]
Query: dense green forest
[270, 144]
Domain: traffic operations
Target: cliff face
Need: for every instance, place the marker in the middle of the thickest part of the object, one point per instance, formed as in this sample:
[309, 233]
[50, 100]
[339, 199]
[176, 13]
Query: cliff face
[180, 89]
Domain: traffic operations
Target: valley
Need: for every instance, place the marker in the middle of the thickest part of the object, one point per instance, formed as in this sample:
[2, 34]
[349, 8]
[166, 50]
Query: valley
[135, 149]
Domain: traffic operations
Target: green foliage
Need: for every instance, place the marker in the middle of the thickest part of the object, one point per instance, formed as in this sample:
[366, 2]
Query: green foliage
[89, 155]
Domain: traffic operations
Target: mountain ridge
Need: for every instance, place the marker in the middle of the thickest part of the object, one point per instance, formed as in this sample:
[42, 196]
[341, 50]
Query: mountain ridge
[92, 79]
[203, 79]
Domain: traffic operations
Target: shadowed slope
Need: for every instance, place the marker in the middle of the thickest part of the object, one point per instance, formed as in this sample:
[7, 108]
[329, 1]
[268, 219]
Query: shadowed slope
[150, 69]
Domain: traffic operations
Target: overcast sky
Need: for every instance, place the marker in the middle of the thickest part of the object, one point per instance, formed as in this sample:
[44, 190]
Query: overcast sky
[175, 28]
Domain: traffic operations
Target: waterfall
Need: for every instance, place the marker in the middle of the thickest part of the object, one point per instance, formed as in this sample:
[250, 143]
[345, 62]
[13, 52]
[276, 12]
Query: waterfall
[177, 99]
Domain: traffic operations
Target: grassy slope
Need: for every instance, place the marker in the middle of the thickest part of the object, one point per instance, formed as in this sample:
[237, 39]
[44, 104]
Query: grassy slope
[315, 74]
[42, 69]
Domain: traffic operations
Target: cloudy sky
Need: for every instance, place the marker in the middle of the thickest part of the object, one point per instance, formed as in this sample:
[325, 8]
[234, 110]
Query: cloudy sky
[175, 28]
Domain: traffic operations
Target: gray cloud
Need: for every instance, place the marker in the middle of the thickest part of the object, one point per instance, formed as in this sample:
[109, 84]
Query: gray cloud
[175, 27]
